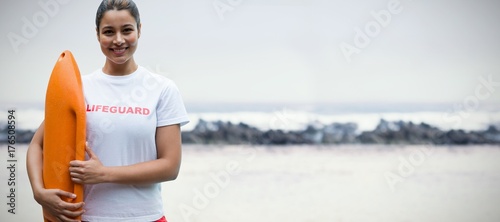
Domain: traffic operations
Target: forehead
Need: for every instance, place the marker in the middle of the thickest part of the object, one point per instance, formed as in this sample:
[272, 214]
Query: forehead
[117, 18]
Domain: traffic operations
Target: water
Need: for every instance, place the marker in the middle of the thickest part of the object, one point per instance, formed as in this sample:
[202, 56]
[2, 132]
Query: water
[306, 183]
[297, 117]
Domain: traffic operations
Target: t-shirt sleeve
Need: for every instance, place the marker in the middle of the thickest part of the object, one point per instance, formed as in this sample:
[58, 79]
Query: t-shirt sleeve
[170, 109]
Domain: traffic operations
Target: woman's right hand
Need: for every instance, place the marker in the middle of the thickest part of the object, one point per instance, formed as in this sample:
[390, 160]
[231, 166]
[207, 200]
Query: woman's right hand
[52, 203]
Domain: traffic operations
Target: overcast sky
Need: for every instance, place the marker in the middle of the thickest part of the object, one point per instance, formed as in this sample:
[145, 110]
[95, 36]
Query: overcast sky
[287, 51]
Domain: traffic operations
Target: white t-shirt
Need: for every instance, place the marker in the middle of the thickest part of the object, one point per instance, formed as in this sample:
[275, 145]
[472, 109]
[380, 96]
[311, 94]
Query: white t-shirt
[123, 113]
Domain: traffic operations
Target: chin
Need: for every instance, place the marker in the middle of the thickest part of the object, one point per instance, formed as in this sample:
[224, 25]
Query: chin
[119, 61]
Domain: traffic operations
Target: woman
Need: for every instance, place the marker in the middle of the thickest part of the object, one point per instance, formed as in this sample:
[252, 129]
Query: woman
[133, 132]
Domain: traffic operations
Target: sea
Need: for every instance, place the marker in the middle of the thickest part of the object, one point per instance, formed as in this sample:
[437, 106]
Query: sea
[311, 183]
[298, 116]
[344, 183]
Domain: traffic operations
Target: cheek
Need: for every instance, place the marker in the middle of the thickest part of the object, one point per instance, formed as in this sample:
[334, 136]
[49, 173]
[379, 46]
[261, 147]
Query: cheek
[132, 38]
[104, 42]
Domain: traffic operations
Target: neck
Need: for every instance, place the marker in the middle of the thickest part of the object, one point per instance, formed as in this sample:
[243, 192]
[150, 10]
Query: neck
[114, 69]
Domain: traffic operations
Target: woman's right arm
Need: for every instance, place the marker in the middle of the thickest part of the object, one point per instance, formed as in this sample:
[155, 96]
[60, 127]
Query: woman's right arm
[50, 199]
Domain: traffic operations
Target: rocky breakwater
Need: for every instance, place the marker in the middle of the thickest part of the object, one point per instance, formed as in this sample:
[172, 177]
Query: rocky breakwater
[386, 132]
[21, 136]
[398, 132]
[409, 133]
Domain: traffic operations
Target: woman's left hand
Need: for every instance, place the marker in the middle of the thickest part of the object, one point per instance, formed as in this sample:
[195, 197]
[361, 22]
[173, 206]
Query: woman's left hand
[90, 171]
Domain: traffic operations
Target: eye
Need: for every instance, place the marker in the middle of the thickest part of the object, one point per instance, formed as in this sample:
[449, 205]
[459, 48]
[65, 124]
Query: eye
[128, 30]
[107, 32]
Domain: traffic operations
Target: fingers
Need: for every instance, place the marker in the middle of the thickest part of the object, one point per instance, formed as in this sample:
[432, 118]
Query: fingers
[73, 206]
[77, 180]
[76, 173]
[72, 214]
[66, 205]
[67, 216]
[76, 163]
[63, 193]
[91, 153]
[61, 210]
[70, 210]
[76, 170]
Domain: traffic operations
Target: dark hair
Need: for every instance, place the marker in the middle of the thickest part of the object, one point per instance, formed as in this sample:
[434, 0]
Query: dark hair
[107, 5]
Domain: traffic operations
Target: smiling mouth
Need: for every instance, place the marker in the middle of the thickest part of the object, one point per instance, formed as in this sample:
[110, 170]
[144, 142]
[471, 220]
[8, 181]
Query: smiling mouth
[118, 50]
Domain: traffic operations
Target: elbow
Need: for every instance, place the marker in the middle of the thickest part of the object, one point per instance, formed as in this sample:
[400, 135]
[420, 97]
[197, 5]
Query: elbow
[171, 172]
[171, 175]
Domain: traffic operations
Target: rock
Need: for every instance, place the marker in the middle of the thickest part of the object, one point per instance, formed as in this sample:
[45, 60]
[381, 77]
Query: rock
[313, 134]
[386, 132]
[21, 136]
[337, 133]
[400, 132]
[221, 133]
[492, 134]
[279, 137]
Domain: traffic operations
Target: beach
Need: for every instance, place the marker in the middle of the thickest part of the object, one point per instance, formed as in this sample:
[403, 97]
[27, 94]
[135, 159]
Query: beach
[299, 111]
[316, 183]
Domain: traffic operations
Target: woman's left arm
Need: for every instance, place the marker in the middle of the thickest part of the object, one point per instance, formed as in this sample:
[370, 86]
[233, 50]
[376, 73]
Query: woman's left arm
[165, 167]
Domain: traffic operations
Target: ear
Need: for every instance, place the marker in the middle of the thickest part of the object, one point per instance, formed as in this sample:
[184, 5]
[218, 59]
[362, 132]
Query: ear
[139, 30]
[97, 33]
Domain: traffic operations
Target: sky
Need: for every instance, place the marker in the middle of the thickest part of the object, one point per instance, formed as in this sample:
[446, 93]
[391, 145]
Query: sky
[273, 51]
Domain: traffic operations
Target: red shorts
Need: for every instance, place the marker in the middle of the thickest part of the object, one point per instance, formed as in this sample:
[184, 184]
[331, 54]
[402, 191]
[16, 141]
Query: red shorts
[162, 219]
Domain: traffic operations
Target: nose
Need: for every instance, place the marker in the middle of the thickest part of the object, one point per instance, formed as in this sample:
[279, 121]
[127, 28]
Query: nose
[119, 39]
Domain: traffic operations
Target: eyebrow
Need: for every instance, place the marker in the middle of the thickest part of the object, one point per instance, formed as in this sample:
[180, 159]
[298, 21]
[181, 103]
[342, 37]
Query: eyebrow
[111, 27]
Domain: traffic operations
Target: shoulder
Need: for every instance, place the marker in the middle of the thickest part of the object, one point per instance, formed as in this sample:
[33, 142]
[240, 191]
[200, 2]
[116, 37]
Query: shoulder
[89, 79]
[90, 76]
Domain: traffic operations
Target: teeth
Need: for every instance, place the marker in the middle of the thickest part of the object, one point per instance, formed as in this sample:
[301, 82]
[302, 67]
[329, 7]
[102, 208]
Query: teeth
[118, 50]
